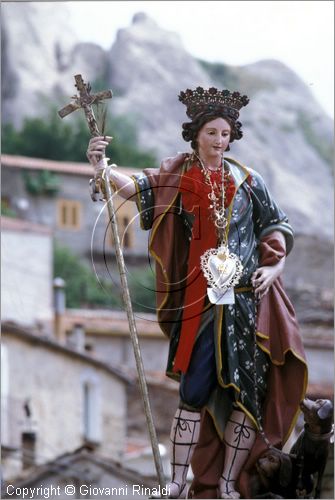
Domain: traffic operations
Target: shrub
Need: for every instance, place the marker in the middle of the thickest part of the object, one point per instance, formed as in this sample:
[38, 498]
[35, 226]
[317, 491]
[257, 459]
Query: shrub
[83, 289]
[62, 140]
[82, 286]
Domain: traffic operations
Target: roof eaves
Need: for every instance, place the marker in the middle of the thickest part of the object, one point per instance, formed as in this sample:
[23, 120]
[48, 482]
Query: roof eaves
[31, 336]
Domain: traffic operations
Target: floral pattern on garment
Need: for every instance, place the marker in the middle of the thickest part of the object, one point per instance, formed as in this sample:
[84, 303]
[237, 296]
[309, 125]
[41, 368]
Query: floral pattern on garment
[252, 214]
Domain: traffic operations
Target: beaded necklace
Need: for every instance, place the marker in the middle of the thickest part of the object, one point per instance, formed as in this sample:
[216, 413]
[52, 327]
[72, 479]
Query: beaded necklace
[218, 199]
[221, 268]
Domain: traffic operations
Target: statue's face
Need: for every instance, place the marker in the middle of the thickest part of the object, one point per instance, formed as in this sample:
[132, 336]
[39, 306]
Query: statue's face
[213, 139]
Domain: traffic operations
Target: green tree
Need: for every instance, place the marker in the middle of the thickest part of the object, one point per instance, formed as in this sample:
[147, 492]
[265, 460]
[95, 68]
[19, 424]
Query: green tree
[83, 289]
[6, 210]
[43, 182]
[57, 139]
[142, 290]
[82, 286]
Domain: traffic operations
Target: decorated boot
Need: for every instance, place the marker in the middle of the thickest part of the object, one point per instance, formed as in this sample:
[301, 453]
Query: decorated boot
[184, 437]
[239, 438]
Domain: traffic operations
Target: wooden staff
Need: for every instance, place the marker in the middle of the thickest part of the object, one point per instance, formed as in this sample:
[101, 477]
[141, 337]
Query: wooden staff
[85, 101]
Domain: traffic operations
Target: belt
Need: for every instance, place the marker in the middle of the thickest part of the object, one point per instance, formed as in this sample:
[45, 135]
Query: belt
[243, 289]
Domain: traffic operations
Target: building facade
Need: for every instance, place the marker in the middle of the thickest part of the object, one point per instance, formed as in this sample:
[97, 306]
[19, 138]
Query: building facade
[60, 200]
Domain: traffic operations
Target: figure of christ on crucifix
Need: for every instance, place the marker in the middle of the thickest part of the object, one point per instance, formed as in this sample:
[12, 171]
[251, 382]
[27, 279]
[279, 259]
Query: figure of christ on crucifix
[85, 101]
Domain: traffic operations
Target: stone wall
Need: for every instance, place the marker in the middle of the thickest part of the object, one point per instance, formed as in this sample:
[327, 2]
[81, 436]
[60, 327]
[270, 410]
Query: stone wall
[51, 381]
[93, 217]
[26, 268]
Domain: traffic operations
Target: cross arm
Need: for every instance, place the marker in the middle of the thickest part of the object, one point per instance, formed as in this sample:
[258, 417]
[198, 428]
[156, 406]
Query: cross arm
[99, 96]
[68, 109]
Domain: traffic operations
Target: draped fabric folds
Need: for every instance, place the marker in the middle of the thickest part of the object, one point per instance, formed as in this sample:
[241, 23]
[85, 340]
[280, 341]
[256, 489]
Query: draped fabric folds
[287, 381]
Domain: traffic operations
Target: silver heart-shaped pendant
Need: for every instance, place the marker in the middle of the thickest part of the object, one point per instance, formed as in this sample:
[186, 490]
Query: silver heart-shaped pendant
[222, 268]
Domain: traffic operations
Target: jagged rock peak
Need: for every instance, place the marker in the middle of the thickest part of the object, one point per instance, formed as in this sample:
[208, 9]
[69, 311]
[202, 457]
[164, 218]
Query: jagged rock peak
[145, 29]
[143, 18]
[34, 53]
[155, 67]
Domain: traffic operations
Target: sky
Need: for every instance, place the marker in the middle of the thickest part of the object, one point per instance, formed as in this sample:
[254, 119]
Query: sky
[297, 33]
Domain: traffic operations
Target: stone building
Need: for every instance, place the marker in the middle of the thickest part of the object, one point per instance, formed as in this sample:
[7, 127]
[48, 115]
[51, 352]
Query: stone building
[82, 473]
[63, 203]
[26, 270]
[107, 336]
[54, 399]
[55, 396]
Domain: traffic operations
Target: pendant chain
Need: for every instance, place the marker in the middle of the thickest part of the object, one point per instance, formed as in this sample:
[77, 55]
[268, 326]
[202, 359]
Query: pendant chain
[217, 205]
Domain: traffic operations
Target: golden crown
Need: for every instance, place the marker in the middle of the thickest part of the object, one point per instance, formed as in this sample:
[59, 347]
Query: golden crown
[223, 101]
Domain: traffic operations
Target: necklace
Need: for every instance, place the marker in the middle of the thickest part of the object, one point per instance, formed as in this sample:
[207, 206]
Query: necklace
[217, 201]
[221, 268]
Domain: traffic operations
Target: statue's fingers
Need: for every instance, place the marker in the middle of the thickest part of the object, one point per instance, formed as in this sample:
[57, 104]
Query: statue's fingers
[96, 152]
[257, 281]
[256, 274]
[97, 138]
[91, 159]
[254, 277]
[93, 142]
[100, 145]
[265, 292]
[259, 288]
[94, 156]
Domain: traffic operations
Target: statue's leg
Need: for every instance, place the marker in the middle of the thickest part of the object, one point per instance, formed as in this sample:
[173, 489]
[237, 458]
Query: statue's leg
[184, 437]
[239, 438]
[195, 389]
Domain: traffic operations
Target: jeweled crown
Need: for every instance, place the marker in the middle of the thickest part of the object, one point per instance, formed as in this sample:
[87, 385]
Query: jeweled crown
[223, 101]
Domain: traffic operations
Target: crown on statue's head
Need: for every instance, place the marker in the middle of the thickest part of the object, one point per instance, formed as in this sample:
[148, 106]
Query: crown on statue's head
[199, 101]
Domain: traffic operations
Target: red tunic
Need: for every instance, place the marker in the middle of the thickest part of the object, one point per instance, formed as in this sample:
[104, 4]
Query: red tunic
[195, 200]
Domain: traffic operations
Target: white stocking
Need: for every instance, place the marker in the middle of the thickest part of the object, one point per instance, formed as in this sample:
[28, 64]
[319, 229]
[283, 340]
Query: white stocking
[239, 437]
[184, 437]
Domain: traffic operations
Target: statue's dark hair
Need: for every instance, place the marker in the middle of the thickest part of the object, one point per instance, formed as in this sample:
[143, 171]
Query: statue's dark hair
[191, 129]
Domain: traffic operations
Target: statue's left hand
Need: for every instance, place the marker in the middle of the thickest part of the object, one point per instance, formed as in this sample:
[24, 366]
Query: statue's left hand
[264, 276]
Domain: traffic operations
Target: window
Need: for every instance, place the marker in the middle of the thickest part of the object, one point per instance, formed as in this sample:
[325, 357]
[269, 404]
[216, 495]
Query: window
[91, 409]
[69, 214]
[28, 449]
[87, 410]
[124, 217]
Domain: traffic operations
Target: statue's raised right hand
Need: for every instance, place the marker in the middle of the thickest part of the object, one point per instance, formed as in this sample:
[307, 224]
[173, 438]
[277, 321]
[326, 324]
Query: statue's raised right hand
[96, 149]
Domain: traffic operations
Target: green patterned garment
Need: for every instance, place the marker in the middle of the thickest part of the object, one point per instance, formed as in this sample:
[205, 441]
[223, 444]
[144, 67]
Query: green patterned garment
[252, 215]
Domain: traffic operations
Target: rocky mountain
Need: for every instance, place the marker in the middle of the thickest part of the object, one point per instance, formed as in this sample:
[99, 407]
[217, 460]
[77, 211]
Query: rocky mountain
[148, 67]
[40, 55]
[287, 136]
